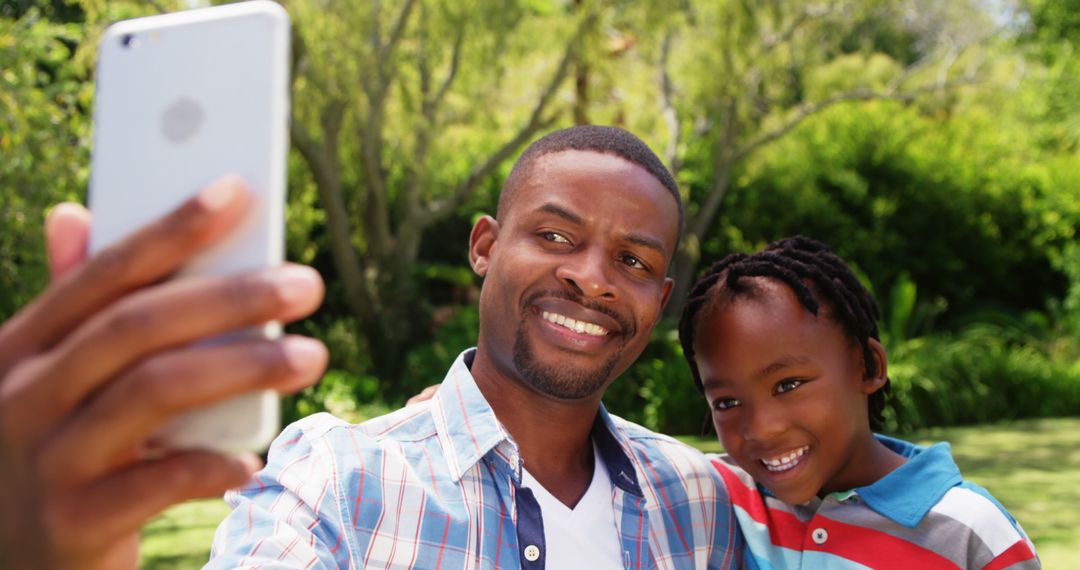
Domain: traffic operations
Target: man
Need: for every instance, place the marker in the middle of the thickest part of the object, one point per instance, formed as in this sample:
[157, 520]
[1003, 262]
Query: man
[94, 365]
[514, 462]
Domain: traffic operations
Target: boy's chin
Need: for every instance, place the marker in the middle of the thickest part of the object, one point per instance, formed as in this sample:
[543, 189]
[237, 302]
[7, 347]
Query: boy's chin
[793, 497]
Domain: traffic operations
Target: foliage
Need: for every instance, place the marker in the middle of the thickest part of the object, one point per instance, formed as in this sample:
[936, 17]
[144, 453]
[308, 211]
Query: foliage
[935, 151]
[960, 206]
[427, 364]
[402, 113]
[44, 102]
[657, 390]
[981, 374]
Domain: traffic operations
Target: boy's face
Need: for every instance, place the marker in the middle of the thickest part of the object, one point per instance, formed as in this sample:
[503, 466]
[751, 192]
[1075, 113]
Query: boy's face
[787, 393]
[574, 273]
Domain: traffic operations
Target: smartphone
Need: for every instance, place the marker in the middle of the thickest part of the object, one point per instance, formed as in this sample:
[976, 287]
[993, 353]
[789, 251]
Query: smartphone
[181, 100]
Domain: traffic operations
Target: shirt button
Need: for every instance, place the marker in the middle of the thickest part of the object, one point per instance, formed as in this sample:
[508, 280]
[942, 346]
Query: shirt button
[532, 553]
[820, 535]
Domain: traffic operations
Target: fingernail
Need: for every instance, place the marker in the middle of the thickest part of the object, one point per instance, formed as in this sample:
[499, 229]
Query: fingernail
[306, 355]
[296, 282]
[221, 193]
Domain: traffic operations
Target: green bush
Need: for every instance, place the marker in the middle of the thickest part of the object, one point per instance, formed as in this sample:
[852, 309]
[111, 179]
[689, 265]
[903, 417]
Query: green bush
[657, 390]
[982, 374]
[972, 214]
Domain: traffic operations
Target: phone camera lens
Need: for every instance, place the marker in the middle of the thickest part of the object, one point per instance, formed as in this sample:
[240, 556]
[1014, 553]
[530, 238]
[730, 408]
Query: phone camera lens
[129, 41]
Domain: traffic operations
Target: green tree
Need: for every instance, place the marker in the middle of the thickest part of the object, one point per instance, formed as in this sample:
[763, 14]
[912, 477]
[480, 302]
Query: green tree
[733, 77]
[404, 110]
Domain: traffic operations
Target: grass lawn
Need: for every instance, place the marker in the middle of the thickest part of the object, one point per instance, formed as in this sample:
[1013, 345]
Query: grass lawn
[1032, 467]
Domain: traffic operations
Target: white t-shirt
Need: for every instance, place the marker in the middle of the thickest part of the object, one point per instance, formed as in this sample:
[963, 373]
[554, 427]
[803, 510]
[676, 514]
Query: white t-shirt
[585, 536]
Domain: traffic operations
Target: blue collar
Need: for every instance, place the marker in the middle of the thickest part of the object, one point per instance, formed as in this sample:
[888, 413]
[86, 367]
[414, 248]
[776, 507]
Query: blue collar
[468, 430]
[911, 490]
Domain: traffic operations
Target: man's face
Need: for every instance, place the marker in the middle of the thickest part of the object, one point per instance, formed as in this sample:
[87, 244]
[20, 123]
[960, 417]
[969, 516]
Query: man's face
[574, 272]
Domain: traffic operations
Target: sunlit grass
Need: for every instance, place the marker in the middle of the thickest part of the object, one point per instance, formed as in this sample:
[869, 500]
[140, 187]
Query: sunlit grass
[180, 538]
[1032, 467]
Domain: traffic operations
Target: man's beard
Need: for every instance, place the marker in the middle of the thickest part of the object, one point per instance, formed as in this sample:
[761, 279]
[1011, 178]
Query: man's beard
[560, 382]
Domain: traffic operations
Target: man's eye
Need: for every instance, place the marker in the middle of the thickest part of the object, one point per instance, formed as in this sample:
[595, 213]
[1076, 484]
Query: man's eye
[724, 403]
[554, 237]
[787, 385]
[633, 262]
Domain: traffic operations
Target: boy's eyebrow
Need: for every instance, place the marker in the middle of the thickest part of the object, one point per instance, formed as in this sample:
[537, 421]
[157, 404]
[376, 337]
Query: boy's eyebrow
[707, 383]
[781, 363]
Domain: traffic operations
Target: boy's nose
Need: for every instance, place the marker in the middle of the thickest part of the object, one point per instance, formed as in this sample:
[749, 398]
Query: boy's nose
[762, 422]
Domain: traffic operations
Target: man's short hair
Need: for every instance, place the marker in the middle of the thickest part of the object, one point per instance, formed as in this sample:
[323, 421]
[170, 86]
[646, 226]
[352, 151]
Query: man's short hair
[606, 140]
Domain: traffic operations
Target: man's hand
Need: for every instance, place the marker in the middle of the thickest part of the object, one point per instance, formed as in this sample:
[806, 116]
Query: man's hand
[93, 366]
[424, 395]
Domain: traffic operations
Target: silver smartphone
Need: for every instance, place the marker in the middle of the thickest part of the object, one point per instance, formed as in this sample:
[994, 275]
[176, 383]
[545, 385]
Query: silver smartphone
[181, 100]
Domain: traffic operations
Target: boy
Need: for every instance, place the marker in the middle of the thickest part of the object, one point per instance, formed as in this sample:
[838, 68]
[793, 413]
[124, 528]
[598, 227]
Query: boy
[784, 345]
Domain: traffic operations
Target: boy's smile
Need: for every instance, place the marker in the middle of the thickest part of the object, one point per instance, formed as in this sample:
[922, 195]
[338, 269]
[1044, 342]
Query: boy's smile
[788, 393]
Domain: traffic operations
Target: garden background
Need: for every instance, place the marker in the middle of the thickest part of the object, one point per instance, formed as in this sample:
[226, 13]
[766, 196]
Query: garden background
[936, 145]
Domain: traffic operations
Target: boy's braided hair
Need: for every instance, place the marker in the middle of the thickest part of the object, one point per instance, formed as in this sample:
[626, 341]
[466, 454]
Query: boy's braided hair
[815, 274]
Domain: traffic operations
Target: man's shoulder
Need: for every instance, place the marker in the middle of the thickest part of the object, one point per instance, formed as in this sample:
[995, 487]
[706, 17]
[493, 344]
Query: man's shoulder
[661, 448]
[641, 435]
[323, 430]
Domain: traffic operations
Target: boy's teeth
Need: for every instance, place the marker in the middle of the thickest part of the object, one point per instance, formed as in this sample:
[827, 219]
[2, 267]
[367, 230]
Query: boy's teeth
[785, 461]
[580, 327]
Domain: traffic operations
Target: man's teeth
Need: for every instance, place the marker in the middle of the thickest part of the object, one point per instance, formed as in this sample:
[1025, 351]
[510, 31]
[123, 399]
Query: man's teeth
[785, 461]
[580, 327]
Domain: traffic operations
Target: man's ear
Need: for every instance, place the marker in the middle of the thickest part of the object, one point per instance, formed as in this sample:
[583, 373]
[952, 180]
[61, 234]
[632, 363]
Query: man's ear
[482, 244]
[669, 284]
[873, 382]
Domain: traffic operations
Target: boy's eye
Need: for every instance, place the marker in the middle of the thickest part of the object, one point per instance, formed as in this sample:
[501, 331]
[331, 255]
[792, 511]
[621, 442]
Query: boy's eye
[787, 385]
[724, 403]
[554, 237]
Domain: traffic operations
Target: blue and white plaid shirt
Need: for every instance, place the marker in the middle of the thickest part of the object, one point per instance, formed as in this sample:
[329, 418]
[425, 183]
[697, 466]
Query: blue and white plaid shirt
[438, 485]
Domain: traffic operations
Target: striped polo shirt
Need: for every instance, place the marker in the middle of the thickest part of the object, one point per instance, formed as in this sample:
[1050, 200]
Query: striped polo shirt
[439, 485]
[921, 515]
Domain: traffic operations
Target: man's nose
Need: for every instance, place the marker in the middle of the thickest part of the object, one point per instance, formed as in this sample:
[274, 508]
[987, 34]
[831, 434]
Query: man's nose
[588, 272]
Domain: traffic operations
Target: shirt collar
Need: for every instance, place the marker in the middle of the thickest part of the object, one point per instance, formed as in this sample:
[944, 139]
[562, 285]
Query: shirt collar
[909, 492]
[466, 424]
[613, 447]
[468, 430]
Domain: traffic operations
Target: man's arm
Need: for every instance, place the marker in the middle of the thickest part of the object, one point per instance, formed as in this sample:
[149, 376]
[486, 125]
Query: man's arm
[289, 515]
[101, 359]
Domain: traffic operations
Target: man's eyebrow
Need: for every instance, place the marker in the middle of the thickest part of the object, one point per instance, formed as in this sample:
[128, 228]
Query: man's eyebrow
[782, 363]
[646, 241]
[562, 213]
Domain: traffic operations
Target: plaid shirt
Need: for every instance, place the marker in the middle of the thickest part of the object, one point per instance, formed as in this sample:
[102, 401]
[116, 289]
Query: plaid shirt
[438, 485]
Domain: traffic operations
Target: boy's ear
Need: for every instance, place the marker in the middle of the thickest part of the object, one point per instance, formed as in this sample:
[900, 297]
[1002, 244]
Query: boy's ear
[873, 382]
[482, 244]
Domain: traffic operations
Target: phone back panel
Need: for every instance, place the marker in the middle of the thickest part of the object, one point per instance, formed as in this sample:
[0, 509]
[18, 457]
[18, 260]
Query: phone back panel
[181, 100]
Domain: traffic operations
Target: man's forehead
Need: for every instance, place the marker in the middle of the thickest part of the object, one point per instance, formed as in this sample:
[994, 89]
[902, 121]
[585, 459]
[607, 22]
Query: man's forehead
[572, 158]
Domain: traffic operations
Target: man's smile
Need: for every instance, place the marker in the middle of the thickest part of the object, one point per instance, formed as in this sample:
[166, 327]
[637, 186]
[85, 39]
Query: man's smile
[580, 327]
